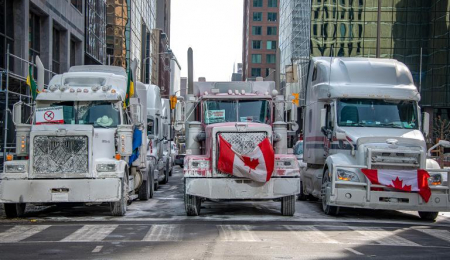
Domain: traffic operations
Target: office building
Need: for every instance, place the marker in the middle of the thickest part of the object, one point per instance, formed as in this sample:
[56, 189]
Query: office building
[415, 32]
[260, 38]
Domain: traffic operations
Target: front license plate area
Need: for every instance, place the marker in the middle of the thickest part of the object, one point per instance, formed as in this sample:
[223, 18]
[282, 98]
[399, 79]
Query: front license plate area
[60, 195]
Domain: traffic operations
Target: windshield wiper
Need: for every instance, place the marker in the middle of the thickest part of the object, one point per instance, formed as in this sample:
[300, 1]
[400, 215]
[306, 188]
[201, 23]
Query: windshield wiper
[393, 125]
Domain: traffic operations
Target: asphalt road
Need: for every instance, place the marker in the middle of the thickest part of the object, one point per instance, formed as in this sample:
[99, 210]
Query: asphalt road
[159, 229]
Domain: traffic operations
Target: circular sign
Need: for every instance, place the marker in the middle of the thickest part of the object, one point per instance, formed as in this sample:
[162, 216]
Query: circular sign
[49, 115]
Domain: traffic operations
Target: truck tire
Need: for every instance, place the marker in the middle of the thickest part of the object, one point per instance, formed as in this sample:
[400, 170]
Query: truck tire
[144, 190]
[288, 205]
[152, 184]
[192, 204]
[430, 216]
[302, 196]
[14, 210]
[166, 174]
[119, 208]
[327, 209]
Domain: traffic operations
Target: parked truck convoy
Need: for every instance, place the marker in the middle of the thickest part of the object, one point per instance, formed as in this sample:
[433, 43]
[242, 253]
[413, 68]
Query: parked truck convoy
[236, 146]
[82, 144]
[362, 121]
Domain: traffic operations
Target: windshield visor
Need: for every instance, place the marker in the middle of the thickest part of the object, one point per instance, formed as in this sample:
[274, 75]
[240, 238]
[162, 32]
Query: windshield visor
[377, 113]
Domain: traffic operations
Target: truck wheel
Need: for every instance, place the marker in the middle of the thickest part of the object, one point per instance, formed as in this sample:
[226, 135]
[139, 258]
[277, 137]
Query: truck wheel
[119, 208]
[288, 205]
[430, 216]
[302, 196]
[14, 210]
[327, 209]
[152, 185]
[170, 173]
[155, 185]
[192, 204]
[144, 190]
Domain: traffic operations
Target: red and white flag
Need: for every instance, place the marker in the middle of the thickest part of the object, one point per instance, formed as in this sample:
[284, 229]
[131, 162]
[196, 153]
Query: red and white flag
[405, 180]
[257, 165]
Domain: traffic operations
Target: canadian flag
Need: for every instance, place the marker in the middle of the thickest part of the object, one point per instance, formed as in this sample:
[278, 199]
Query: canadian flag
[406, 180]
[257, 165]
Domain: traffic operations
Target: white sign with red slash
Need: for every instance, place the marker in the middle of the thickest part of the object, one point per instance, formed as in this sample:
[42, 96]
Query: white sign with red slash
[49, 115]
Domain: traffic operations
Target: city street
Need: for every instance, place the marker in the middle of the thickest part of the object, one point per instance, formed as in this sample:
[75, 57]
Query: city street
[159, 229]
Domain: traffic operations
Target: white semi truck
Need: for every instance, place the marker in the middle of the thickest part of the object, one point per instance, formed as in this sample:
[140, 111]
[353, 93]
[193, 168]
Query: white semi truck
[362, 115]
[236, 131]
[81, 145]
[158, 136]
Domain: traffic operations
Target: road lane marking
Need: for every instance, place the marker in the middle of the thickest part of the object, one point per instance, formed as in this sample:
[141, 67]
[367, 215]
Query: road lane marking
[437, 233]
[310, 234]
[90, 233]
[240, 233]
[165, 233]
[18, 233]
[383, 237]
[97, 249]
[354, 251]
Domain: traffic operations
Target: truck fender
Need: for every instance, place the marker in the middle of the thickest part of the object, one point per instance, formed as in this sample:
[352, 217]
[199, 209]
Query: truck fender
[123, 168]
[336, 159]
[432, 164]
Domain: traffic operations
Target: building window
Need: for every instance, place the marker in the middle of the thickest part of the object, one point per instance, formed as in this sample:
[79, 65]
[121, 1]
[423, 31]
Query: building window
[56, 51]
[78, 4]
[256, 58]
[272, 3]
[256, 30]
[6, 31]
[34, 36]
[257, 3]
[272, 30]
[257, 16]
[256, 72]
[95, 43]
[270, 58]
[267, 72]
[73, 48]
[272, 17]
[256, 45]
[271, 45]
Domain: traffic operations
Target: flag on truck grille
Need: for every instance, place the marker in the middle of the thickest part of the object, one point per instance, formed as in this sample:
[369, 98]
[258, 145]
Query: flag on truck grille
[130, 89]
[31, 83]
[405, 180]
[256, 165]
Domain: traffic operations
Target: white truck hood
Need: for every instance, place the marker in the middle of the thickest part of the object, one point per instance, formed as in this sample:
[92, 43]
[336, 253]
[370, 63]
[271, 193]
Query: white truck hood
[361, 135]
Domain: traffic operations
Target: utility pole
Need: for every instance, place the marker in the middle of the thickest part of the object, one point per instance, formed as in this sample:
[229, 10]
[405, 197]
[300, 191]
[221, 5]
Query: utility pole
[190, 71]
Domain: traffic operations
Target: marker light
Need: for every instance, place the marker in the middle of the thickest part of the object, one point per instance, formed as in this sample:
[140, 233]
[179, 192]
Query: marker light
[85, 90]
[243, 92]
[63, 87]
[113, 91]
[78, 89]
[106, 88]
[9, 157]
[118, 157]
[236, 92]
[53, 88]
[95, 88]
[72, 90]
[230, 92]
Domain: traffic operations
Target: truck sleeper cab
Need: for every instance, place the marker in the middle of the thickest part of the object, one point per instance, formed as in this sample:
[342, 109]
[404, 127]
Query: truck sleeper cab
[364, 114]
[241, 114]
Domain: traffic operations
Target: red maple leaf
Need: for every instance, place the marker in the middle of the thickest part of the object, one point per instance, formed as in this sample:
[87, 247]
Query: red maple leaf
[250, 162]
[398, 184]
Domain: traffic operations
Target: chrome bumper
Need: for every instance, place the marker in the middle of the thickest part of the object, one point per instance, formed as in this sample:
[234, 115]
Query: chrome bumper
[360, 195]
[60, 190]
[235, 188]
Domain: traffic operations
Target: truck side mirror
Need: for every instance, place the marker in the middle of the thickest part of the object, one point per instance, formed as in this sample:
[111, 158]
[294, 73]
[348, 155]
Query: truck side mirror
[17, 113]
[426, 124]
[323, 117]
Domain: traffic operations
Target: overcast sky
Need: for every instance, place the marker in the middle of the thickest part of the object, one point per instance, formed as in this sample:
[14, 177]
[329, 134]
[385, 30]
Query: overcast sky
[213, 28]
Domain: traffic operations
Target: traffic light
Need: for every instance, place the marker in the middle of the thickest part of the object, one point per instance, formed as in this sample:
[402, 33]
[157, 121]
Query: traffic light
[173, 102]
[296, 99]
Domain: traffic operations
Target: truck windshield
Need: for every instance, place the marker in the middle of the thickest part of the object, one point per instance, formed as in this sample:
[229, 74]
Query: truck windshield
[97, 113]
[377, 113]
[219, 111]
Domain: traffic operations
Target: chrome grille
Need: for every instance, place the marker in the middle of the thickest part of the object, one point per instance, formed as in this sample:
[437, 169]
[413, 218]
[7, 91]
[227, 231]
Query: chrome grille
[55, 154]
[244, 142]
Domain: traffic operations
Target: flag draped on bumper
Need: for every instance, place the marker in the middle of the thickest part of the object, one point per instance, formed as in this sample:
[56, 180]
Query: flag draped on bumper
[405, 180]
[257, 165]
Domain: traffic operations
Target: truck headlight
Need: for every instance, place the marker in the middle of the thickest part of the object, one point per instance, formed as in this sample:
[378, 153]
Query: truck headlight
[435, 179]
[198, 164]
[106, 167]
[344, 175]
[15, 168]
